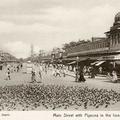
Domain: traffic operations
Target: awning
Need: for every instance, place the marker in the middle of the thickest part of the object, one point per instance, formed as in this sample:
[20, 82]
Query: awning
[117, 62]
[99, 63]
[72, 63]
[94, 63]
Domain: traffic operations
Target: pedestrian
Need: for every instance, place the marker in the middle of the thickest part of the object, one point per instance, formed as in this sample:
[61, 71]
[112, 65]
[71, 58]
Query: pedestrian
[81, 77]
[63, 71]
[21, 65]
[12, 69]
[17, 68]
[109, 77]
[36, 74]
[39, 75]
[53, 72]
[114, 78]
[58, 73]
[40, 71]
[92, 71]
[8, 74]
[76, 74]
[45, 69]
[100, 70]
[33, 77]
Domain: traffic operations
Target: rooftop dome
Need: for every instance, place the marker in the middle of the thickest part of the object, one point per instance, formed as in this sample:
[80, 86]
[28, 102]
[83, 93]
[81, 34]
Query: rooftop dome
[117, 17]
[116, 24]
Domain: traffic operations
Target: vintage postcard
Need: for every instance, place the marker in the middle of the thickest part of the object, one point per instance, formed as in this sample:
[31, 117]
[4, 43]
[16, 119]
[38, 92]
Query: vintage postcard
[59, 59]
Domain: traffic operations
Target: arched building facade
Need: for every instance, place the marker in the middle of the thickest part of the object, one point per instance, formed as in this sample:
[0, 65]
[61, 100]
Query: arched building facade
[99, 50]
[107, 48]
[114, 34]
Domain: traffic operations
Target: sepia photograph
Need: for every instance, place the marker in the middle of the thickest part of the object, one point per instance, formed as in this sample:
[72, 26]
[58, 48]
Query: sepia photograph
[59, 55]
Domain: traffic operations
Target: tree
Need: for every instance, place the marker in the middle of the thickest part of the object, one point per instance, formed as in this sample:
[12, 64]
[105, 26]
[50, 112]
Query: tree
[56, 50]
[65, 46]
[72, 44]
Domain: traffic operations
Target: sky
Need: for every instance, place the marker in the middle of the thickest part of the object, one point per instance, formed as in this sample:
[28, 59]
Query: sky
[51, 23]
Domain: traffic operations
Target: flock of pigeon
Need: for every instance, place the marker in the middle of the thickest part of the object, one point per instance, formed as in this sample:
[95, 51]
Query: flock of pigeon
[54, 97]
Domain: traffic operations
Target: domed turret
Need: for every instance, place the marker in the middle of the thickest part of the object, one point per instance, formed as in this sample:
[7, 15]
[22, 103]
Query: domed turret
[116, 23]
[114, 33]
[117, 19]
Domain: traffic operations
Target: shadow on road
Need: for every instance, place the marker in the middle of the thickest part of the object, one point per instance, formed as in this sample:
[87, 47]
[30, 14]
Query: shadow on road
[111, 82]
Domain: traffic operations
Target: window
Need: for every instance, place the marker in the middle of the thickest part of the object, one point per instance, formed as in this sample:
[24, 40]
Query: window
[115, 39]
[118, 38]
[113, 42]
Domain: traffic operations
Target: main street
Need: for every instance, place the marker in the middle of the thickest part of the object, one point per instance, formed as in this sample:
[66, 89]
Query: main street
[100, 82]
[18, 78]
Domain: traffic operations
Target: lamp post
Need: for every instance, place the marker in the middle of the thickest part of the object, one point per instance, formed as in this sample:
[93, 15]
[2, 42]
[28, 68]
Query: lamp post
[60, 58]
[52, 57]
[77, 60]
[2, 56]
[60, 54]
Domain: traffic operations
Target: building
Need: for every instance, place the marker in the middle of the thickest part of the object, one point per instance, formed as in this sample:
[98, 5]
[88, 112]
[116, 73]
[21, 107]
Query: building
[107, 48]
[98, 51]
[114, 35]
[7, 57]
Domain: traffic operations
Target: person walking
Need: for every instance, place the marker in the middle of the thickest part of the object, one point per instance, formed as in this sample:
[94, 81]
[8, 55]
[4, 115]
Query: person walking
[33, 77]
[81, 77]
[76, 74]
[58, 73]
[54, 72]
[8, 74]
[92, 71]
[17, 68]
[46, 69]
[63, 72]
[114, 78]
[39, 74]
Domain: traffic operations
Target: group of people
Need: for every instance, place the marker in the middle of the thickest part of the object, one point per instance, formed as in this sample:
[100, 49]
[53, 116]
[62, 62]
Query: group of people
[79, 75]
[58, 71]
[11, 68]
[37, 72]
[92, 72]
[41, 96]
[113, 76]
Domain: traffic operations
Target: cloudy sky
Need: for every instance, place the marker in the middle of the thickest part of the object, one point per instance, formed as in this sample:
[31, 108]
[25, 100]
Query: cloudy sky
[51, 23]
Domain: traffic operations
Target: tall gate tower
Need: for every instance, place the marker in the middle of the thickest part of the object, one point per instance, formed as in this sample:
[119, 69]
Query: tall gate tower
[32, 52]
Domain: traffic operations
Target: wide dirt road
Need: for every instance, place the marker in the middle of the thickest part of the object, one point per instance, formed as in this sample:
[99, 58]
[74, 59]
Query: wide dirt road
[18, 78]
[23, 78]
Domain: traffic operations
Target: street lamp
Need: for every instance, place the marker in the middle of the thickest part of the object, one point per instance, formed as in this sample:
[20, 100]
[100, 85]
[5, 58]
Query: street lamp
[60, 54]
[77, 59]
[53, 57]
[2, 56]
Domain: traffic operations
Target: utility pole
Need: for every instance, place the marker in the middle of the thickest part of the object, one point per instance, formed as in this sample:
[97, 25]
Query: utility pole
[41, 52]
[32, 52]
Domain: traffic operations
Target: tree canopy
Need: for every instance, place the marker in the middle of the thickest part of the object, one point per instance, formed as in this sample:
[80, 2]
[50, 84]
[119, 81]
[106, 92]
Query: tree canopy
[74, 43]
